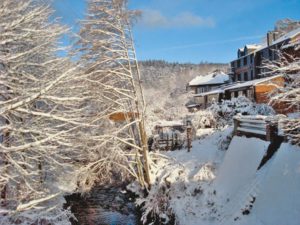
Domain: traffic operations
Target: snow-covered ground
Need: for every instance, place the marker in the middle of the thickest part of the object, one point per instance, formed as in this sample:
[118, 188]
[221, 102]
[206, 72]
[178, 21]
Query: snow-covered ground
[211, 186]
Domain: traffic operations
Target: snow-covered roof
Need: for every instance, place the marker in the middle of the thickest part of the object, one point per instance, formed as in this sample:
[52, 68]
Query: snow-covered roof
[251, 82]
[236, 85]
[253, 46]
[217, 77]
[164, 123]
[289, 35]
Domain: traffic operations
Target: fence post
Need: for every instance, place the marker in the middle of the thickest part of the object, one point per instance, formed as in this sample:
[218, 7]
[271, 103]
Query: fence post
[271, 130]
[172, 147]
[236, 124]
[167, 141]
[189, 135]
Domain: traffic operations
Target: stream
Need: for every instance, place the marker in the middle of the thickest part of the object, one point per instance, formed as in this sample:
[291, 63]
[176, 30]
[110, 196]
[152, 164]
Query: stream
[104, 206]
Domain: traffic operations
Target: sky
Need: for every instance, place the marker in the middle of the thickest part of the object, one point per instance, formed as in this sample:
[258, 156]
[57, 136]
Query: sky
[194, 30]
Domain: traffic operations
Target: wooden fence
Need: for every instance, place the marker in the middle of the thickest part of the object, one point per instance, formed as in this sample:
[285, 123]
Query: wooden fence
[259, 126]
[169, 141]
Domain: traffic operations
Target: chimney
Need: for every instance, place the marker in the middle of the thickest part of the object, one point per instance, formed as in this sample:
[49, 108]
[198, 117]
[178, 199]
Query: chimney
[270, 38]
[275, 35]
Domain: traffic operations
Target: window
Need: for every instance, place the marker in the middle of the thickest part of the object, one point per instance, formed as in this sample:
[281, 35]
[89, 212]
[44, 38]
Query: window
[245, 76]
[251, 59]
[270, 53]
[238, 63]
[251, 75]
[232, 65]
[239, 77]
[203, 89]
[245, 61]
[250, 94]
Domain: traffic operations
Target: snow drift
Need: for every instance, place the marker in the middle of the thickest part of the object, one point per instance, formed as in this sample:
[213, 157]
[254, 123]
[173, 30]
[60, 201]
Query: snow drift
[240, 164]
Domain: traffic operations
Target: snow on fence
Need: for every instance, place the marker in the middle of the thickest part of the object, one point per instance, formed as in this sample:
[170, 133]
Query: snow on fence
[168, 141]
[256, 126]
[171, 135]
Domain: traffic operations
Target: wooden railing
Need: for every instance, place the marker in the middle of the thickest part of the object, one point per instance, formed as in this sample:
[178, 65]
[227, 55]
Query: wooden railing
[256, 126]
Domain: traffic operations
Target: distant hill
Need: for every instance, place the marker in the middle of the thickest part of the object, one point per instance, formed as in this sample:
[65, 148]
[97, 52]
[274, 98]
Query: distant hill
[160, 73]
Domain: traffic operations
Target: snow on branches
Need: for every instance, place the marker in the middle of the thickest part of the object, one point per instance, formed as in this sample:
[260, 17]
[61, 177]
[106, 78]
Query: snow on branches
[110, 70]
[288, 65]
[41, 112]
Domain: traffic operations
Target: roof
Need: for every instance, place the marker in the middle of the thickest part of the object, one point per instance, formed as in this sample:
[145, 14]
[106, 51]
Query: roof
[237, 85]
[289, 35]
[251, 83]
[217, 77]
[253, 46]
[285, 37]
[164, 123]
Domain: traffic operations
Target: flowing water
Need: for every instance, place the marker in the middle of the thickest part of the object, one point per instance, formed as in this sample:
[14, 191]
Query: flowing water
[104, 206]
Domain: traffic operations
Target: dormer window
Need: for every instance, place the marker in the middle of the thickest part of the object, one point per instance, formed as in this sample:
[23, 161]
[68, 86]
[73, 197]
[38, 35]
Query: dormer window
[240, 53]
[245, 51]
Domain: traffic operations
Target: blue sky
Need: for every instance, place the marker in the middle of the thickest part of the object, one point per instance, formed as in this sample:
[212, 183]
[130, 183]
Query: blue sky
[195, 30]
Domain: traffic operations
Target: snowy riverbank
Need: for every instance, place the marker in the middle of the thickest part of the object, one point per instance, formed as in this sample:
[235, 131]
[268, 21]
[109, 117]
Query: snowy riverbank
[212, 186]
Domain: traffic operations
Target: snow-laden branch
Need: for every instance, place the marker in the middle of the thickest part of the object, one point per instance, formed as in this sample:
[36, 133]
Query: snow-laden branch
[287, 65]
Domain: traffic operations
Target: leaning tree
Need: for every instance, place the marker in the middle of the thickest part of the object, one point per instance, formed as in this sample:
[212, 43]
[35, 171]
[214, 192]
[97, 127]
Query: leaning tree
[109, 66]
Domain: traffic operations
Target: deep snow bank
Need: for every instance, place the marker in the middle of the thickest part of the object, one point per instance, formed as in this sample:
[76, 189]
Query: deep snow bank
[278, 202]
[212, 187]
[240, 165]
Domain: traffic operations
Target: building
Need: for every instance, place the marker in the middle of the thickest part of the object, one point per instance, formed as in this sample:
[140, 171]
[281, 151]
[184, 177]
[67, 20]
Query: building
[257, 90]
[248, 76]
[204, 100]
[249, 62]
[205, 83]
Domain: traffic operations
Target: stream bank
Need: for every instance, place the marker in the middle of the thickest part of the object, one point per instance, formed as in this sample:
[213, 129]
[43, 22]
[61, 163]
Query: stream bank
[111, 205]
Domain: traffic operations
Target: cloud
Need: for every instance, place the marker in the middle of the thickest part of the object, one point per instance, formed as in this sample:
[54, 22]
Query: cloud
[155, 19]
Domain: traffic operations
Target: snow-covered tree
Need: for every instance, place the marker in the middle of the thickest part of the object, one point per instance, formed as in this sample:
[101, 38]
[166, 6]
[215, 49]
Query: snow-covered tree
[41, 113]
[111, 71]
[288, 65]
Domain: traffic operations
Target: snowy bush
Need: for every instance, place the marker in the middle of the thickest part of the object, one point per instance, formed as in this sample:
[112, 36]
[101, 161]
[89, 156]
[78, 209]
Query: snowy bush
[204, 119]
[241, 105]
[228, 108]
[220, 114]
